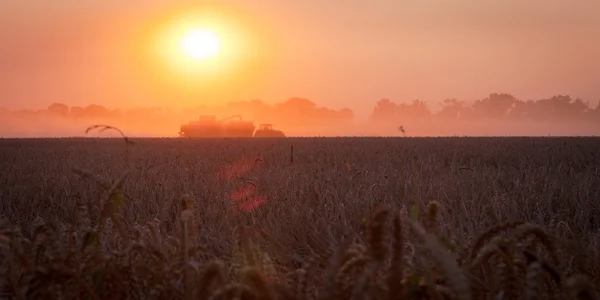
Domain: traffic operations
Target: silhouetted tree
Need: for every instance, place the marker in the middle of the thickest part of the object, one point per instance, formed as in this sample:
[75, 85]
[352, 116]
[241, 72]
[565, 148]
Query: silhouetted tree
[418, 109]
[99, 111]
[452, 109]
[303, 112]
[59, 109]
[385, 110]
[560, 107]
[578, 108]
[494, 106]
[523, 110]
[299, 104]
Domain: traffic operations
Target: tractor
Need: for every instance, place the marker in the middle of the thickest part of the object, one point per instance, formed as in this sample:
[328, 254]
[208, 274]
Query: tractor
[266, 130]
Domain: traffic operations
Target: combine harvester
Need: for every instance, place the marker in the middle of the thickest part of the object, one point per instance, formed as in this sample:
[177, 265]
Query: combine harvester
[207, 126]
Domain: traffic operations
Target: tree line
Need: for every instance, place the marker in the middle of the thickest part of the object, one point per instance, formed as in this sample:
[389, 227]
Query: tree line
[497, 113]
[497, 106]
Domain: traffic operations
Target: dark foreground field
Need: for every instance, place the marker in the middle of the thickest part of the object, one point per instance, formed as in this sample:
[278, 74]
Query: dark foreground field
[451, 218]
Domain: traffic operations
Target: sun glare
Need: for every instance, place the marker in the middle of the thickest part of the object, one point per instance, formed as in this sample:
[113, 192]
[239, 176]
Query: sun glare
[200, 44]
[207, 49]
[197, 46]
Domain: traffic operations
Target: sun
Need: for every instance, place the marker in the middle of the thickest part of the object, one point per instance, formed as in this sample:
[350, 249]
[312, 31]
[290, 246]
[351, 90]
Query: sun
[208, 48]
[200, 44]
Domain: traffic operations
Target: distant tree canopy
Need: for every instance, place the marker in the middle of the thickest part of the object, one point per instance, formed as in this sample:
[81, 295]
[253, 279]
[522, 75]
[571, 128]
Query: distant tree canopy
[497, 106]
[292, 112]
[295, 111]
[385, 109]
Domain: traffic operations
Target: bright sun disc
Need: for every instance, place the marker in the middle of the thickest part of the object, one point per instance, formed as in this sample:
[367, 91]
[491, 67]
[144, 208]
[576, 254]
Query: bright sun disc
[200, 44]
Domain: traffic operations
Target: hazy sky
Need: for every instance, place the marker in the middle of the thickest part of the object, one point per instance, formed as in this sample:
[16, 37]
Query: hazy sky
[337, 53]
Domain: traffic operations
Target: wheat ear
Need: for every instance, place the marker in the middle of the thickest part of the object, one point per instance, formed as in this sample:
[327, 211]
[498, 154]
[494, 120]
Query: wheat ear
[458, 283]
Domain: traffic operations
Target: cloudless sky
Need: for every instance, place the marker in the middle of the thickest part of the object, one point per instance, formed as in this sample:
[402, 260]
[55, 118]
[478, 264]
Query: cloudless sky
[337, 53]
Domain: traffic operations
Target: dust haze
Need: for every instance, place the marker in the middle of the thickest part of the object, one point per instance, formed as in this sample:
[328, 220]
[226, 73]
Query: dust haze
[495, 115]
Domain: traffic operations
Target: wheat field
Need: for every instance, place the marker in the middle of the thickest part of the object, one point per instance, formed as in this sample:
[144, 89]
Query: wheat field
[300, 218]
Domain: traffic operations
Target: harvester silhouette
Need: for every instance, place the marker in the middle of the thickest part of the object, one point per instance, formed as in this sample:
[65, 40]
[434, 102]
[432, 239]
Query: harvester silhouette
[208, 126]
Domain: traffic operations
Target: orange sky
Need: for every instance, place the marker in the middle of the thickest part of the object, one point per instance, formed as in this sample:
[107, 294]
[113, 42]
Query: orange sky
[336, 53]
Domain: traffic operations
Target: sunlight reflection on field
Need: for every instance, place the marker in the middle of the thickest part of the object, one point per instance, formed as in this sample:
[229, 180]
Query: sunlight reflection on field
[246, 195]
